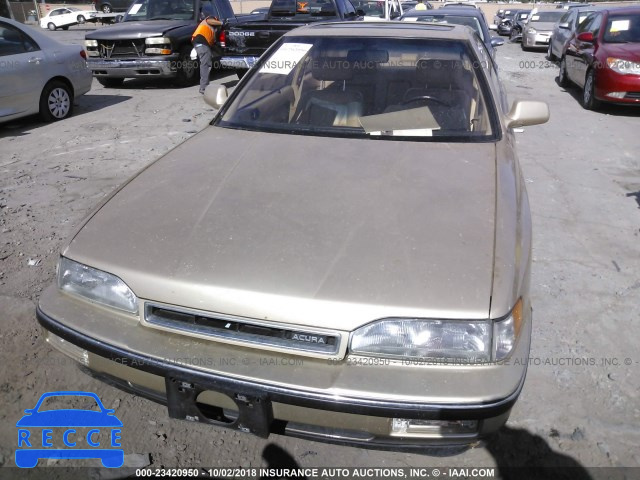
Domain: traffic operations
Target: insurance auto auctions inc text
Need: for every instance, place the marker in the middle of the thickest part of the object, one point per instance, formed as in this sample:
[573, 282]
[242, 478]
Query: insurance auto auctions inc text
[349, 473]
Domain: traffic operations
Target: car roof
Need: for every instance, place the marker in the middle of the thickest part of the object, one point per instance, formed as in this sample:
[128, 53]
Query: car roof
[383, 30]
[623, 10]
[458, 12]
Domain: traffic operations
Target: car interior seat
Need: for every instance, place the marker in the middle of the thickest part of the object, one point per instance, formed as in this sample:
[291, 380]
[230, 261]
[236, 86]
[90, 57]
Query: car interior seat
[336, 104]
[446, 86]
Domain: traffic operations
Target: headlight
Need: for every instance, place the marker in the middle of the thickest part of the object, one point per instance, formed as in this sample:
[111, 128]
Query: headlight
[531, 30]
[624, 67]
[157, 40]
[469, 340]
[95, 285]
[506, 332]
[420, 338]
[90, 43]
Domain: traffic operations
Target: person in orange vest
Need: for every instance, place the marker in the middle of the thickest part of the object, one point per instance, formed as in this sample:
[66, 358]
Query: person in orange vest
[203, 39]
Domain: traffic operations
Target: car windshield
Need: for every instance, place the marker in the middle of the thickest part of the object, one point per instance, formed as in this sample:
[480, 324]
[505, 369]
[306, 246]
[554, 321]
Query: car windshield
[377, 88]
[546, 17]
[471, 22]
[622, 29]
[301, 9]
[371, 8]
[160, 10]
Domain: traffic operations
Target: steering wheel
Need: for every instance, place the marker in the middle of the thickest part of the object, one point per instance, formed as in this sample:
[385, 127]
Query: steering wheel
[427, 98]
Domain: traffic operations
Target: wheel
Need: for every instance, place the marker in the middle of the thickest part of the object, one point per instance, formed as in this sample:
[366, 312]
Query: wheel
[51, 26]
[110, 82]
[56, 101]
[106, 8]
[563, 80]
[550, 55]
[81, 19]
[513, 35]
[188, 70]
[589, 92]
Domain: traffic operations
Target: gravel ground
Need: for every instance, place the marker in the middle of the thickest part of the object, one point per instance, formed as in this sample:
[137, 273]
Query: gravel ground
[581, 402]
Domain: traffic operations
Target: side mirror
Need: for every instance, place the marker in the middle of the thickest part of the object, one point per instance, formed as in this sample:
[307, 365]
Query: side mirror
[493, 27]
[564, 25]
[497, 41]
[586, 37]
[215, 95]
[527, 112]
[119, 18]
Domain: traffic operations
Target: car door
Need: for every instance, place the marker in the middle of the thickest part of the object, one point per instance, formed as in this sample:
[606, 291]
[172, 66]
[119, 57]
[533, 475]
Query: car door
[67, 17]
[585, 51]
[21, 72]
[561, 35]
[574, 54]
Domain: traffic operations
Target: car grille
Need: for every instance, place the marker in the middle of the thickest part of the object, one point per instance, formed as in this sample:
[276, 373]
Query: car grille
[122, 48]
[240, 330]
[633, 95]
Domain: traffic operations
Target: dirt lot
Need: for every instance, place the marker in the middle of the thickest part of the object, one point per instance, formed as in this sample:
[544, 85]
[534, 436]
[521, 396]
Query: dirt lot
[581, 401]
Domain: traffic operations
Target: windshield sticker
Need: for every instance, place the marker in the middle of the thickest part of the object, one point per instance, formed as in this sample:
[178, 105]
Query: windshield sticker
[535, 18]
[135, 8]
[619, 26]
[286, 58]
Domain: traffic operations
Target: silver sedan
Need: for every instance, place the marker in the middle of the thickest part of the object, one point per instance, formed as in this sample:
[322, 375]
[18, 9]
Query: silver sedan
[38, 74]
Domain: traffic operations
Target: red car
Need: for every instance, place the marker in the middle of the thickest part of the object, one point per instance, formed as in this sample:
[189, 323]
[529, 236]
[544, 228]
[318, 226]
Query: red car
[604, 58]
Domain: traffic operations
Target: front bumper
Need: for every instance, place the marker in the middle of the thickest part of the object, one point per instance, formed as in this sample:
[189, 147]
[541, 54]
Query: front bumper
[288, 402]
[166, 67]
[608, 81]
[537, 40]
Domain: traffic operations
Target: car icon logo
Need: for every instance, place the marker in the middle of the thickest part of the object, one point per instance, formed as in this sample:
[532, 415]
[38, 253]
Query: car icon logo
[69, 432]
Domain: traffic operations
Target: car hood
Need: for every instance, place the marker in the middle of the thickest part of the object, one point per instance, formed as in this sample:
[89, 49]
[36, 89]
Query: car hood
[625, 51]
[304, 229]
[127, 30]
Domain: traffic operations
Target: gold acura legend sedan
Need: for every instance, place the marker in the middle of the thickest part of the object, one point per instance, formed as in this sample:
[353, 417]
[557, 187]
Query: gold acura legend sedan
[344, 254]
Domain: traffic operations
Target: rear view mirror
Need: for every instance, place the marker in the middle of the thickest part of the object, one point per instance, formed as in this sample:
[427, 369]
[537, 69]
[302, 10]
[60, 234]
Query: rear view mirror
[360, 12]
[497, 41]
[527, 112]
[564, 25]
[215, 95]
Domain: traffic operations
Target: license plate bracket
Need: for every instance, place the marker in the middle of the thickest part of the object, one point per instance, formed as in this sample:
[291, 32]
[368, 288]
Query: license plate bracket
[255, 412]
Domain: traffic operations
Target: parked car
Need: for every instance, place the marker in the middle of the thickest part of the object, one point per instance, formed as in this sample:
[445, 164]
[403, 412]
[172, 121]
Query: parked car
[502, 13]
[260, 11]
[39, 74]
[153, 40]
[604, 58]
[565, 30]
[504, 25]
[459, 4]
[472, 18]
[65, 17]
[538, 28]
[243, 43]
[408, 5]
[376, 10]
[517, 27]
[364, 206]
[110, 6]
